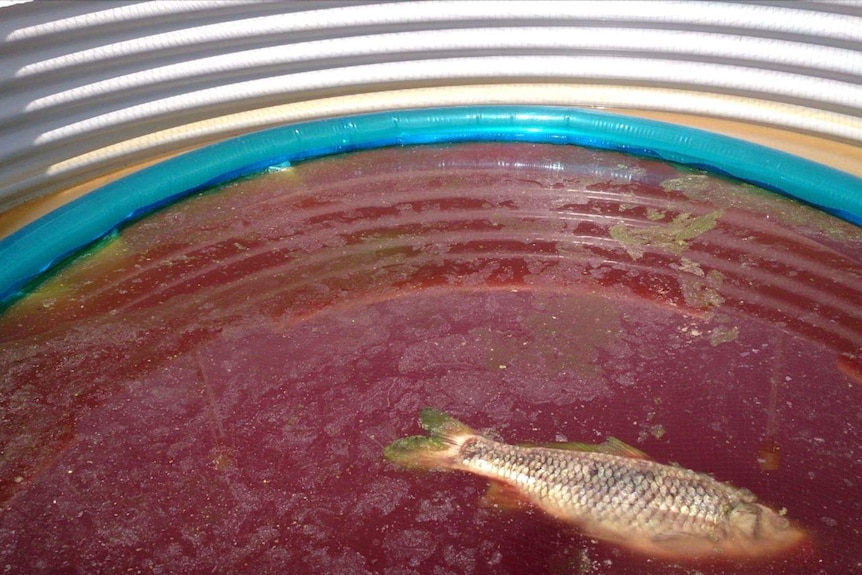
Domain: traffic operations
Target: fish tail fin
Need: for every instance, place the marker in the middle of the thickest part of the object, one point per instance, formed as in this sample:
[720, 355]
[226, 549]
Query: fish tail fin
[437, 450]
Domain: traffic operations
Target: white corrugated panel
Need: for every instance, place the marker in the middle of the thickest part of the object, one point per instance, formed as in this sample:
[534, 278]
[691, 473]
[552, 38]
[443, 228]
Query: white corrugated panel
[88, 87]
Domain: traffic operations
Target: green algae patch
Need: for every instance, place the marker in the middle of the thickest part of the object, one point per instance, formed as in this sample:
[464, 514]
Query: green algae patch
[655, 215]
[688, 183]
[702, 294]
[735, 194]
[672, 237]
[723, 334]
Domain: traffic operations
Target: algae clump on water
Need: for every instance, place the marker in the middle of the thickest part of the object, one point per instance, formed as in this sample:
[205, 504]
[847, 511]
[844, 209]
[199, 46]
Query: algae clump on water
[671, 237]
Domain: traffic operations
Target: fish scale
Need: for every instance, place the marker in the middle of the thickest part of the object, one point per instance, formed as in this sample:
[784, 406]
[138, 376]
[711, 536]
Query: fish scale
[612, 492]
[579, 486]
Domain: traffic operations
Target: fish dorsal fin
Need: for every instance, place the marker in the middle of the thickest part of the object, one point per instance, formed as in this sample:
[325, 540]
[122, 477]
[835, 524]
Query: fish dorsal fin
[614, 446]
[611, 446]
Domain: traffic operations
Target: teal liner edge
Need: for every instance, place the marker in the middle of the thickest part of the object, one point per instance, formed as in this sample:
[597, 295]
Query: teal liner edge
[36, 248]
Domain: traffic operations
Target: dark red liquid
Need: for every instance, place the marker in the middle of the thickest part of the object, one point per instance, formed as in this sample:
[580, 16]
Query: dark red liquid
[212, 390]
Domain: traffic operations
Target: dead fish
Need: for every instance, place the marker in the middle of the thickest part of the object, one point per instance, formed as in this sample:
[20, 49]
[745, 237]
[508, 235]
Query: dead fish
[611, 491]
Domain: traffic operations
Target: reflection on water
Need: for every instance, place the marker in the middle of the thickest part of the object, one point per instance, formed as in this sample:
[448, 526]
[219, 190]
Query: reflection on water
[211, 390]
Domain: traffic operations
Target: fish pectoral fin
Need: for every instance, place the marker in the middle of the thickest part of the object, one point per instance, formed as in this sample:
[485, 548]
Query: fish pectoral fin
[502, 496]
[612, 446]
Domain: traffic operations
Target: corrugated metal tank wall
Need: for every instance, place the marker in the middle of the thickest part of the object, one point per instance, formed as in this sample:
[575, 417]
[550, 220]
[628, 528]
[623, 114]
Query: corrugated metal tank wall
[92, 90]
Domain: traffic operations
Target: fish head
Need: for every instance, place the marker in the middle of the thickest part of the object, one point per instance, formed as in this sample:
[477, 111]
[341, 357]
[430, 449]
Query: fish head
[758, 530]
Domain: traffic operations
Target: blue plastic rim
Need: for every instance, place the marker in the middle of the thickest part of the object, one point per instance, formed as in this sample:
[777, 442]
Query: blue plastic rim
[36, 248]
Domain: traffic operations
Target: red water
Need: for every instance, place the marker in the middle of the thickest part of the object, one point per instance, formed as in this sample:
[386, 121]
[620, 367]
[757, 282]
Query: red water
[212, 390]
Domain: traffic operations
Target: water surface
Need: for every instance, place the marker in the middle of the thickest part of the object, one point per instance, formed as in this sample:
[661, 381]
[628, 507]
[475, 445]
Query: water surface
[211, 389]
